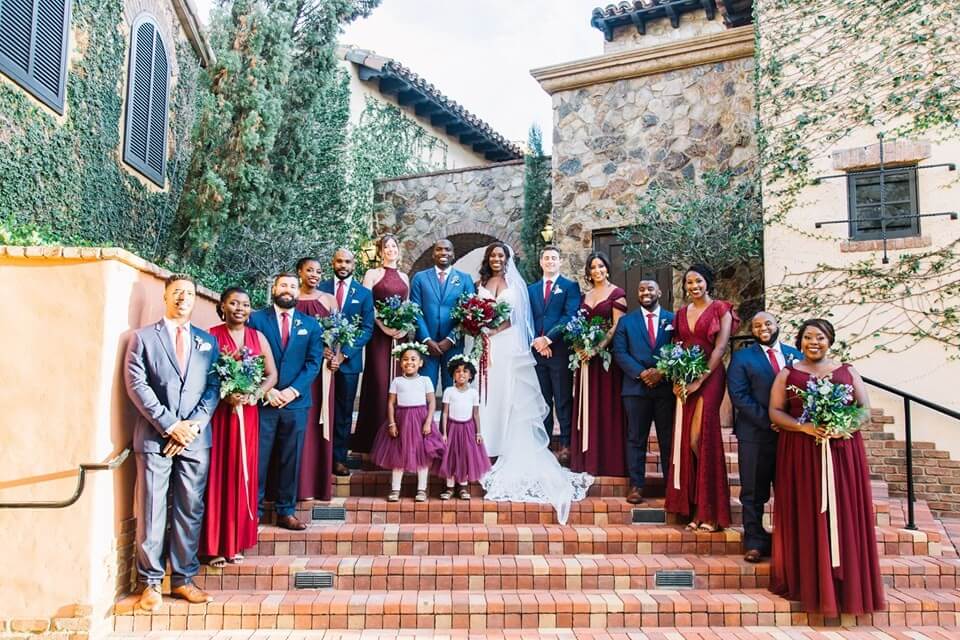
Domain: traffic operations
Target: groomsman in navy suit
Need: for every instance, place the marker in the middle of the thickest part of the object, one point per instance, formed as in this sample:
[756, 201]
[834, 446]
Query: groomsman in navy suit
[296, 343]
[355, 301]
[554, 300]
[437, 290]
[749, 378]
[647, 397]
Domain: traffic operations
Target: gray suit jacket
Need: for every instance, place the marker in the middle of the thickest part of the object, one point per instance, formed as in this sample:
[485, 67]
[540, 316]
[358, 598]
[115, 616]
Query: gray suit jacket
[164, 396]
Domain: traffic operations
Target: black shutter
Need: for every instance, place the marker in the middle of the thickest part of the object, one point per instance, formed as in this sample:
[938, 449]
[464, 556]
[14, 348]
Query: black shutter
[33, 47]
[146, 120]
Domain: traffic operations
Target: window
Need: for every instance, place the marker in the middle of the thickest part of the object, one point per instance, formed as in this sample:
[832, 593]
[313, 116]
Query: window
[33, 47]
[145, 129]
[900, 204]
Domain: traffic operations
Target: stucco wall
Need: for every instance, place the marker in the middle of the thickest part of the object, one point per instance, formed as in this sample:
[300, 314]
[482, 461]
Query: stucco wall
[62, 404]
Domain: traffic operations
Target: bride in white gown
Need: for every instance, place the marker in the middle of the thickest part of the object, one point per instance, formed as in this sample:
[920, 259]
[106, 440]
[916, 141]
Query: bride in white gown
[512, 408]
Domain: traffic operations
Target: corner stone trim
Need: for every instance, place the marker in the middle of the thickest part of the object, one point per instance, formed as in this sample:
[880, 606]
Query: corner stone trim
[893, 244]
[894, 152]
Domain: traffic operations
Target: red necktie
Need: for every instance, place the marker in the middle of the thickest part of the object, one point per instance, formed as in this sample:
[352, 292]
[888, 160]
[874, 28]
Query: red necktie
[284, 328]
[340, 294]
[651, 331]
[773, 361]
[547, 292]
[182, 349]
[443, 277]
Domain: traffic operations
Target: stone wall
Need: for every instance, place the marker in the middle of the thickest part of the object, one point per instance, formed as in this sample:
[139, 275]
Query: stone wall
[612, 140]
[483, 203]
[660, 32]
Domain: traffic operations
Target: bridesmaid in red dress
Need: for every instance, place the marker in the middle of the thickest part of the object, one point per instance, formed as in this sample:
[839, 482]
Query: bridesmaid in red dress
[316, 460]
[801, 565]
[230, 505]
[605, 425]
[385, 281]
[697, 484]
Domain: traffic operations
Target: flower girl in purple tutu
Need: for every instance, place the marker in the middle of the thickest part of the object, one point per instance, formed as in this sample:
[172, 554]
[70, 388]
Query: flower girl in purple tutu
[465, 459]
[409, 440]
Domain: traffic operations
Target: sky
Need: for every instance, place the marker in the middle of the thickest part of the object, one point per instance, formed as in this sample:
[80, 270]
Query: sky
[480, 52]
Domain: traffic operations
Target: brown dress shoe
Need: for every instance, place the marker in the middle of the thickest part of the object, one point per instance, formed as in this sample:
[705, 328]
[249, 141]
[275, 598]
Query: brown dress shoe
[340, 469]
[150, 599]
[291, 523]
[563, 456]
[635, 496]
[191, 594]
[753, 555]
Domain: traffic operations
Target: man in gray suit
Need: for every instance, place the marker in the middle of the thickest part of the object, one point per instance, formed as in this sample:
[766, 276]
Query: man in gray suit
[170, 378]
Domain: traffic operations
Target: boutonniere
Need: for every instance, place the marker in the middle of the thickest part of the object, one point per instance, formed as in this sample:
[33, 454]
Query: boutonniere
[789, 359]
[455, 280]
[201, 345]
[557, 290]
[297, 322]
[666, 325]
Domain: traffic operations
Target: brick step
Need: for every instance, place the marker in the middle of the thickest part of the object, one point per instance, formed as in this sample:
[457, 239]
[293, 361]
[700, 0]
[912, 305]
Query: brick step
[659, 633]
[628, 571]
[526, 609]
[553, 539]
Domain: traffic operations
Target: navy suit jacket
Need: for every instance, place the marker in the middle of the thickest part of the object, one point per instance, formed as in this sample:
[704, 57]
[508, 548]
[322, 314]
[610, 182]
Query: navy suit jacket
[548, 321]
[749, 378]
[162, 394]
[299, 363]
[357, 302]
[634, 353]
[436, 303]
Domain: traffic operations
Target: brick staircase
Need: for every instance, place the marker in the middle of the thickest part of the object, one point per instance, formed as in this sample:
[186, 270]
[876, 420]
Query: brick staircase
[463, 569]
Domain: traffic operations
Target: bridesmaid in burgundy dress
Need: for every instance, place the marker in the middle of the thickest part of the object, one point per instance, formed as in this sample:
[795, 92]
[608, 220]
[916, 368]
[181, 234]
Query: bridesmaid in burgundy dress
[316, 461]
[697, 484]
[230, 505]
[801, 566]
[385, 281]
[605, 426]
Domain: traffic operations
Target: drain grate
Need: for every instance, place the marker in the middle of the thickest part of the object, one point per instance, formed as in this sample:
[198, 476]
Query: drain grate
[330, 514]
[674, 579]
[649, 516]
[313, 580]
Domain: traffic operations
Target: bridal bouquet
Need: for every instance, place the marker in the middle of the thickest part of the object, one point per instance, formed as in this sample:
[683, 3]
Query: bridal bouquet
[476, 317]
[681, 366]
[240, 372]
[398, 314]
[830, 405]
[339, 330]
[585, 335]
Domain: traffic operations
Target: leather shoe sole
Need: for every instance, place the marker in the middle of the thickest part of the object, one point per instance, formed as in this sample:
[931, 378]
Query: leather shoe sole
[290, 523]
[191, 594]
[635, 497]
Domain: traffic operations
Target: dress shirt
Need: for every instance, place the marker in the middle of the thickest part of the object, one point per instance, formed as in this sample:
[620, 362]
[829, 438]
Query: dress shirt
[445, 272]
[777, 352]
[656, 320]
[172, 332]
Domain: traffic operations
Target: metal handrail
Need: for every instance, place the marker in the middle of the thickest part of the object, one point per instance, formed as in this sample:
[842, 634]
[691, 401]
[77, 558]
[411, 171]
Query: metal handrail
[908, 435]
[110, 465]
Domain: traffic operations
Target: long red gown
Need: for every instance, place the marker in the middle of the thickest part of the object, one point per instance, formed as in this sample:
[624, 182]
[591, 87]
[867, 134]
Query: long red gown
[704, 492]
[376, 369]
[606, 453]
[230, 513]
[800, 563]
[316, 459]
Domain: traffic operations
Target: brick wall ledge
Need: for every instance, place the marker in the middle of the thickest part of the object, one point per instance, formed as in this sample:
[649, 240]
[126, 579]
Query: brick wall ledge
[443, 172]
[893, 244]
[92, 254]
[732, 44]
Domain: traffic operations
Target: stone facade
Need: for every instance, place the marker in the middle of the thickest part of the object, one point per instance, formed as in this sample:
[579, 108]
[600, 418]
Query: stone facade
[612, 140]
[480, 204]
[660, 32]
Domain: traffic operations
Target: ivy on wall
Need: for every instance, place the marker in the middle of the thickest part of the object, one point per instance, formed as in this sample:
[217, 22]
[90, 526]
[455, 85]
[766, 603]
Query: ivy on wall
[825, 70]
[65, 177]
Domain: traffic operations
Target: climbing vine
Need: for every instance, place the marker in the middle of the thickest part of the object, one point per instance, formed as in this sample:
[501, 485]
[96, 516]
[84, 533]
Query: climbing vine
[827, 69]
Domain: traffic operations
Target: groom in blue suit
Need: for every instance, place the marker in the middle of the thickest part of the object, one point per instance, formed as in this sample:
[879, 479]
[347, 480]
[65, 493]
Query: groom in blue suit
[646, 395]
[295, 341]
[169, 376]
[354, 301]
[749, 378]
[554, 300]
[437, 290]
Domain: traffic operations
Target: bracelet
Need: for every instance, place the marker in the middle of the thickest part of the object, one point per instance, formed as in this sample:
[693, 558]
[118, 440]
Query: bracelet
[392, 424]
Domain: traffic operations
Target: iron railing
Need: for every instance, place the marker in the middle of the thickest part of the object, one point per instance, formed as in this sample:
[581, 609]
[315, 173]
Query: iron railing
[908, 398]
[109, 465]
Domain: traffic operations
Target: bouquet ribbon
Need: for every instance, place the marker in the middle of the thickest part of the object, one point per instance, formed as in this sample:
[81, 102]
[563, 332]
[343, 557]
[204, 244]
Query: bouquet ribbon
[326, 410]
[243, 458]
[584, 413]
[828, 499]
[677, 433]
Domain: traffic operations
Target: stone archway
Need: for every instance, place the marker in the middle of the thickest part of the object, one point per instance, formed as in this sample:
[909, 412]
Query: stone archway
[465, 236]
[463, 244]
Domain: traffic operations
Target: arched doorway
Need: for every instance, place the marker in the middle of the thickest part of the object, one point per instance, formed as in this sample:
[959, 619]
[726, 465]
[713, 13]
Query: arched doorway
[467, 247]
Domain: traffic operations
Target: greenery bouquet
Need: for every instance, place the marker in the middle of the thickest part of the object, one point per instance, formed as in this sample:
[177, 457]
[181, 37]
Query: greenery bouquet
[240, 372]
[585, 335]
[340, 330]
[830, 405]
[681, 366]
[398, 314]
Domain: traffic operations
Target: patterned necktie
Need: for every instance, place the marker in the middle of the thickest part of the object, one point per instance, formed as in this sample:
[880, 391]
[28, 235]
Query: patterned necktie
[182, 348]
[773, 361]
[340, 294]
[547, 292]
[651, 330]
[284, 328]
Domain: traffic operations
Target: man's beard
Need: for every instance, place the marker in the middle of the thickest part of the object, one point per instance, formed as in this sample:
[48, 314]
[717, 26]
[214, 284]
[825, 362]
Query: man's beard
[285, 301]
[773, 339]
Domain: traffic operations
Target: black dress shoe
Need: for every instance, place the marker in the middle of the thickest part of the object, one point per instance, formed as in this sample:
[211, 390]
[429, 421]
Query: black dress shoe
[291, 523]
[340, 469]
[753, 555]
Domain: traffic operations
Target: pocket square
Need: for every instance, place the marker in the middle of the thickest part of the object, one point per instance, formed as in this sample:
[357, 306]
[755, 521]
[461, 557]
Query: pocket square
[668, 327]
[302, 332]
[204, 346]
[354, 302]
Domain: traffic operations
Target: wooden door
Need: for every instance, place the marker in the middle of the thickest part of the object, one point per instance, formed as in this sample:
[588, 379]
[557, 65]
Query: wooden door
[626, 274]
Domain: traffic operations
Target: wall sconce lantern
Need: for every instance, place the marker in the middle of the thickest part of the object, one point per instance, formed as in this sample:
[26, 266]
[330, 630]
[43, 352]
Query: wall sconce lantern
[547, 232]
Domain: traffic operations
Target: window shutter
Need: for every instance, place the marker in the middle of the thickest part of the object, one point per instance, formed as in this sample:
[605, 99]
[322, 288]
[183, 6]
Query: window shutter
[146, 121]
[33, 47]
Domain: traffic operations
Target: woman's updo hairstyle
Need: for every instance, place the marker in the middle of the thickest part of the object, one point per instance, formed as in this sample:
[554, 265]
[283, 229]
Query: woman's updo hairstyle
[302, 262]
[823, 325]
[705, 272]
[229, 291]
